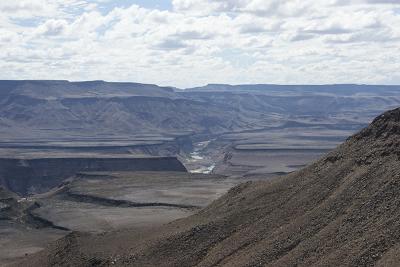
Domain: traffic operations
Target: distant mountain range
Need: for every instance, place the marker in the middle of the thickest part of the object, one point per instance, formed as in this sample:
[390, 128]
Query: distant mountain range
[336, 89]
[342, 210]
[61, 109]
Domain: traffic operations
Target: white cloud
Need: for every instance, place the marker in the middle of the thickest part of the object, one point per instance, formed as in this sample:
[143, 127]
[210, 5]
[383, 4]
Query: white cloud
[27, 8]
[53, 27]
[8, 37]
[202, 41]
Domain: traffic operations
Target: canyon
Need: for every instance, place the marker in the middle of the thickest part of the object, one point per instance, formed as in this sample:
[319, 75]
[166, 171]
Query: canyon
[98, 157]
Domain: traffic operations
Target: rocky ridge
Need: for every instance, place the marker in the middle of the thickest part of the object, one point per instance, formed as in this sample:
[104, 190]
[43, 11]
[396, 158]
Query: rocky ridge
[342, 210]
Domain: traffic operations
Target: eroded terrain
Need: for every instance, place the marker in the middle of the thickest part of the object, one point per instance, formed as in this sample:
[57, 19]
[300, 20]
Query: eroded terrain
[105, 201]
[77, 156]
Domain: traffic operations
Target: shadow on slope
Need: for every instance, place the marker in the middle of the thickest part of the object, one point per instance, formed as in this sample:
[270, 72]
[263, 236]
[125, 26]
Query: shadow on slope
[341, 210]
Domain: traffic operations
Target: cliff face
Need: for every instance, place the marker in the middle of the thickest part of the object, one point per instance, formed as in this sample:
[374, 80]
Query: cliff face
[39, 175]
[343, 210]
[61, 109]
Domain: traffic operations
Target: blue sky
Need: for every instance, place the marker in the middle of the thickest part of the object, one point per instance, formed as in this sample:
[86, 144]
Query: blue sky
[150, 4]
[188, 43]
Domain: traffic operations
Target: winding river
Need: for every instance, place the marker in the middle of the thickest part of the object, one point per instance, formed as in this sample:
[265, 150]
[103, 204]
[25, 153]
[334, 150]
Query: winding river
[197, 158]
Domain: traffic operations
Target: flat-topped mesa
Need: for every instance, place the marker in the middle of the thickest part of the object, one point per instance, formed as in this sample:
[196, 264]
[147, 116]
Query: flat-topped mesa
[342, 210]
[27, 176]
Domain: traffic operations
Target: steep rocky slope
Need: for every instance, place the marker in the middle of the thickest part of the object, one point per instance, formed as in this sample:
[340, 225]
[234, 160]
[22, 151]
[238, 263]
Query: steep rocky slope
[342, 210]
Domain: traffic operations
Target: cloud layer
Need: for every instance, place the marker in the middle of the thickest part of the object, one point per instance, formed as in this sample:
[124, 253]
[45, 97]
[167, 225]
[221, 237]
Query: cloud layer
[202, 41]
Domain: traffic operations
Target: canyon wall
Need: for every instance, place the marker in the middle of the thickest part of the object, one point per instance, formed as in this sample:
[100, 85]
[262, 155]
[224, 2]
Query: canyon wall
[28, 176]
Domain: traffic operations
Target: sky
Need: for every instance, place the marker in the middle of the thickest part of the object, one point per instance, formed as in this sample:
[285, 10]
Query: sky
[187, 43]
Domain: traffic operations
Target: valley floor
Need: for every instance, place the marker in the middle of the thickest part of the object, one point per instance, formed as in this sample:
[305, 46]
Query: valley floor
[109, 201]
[100, 202]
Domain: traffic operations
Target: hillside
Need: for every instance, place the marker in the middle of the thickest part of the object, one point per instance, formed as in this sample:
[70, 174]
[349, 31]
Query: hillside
[341, 210]
[60, 109]
[95, 202]
[240, 124]
[53, 89]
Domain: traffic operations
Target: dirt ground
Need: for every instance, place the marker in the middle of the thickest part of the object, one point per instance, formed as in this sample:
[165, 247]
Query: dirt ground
[343, 210]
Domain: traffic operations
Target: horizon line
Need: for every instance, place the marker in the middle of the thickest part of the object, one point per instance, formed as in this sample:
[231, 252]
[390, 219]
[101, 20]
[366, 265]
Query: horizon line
[205, 85]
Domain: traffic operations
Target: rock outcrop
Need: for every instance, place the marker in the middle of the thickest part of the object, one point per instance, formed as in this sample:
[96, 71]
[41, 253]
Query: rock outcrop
[27, 176]
[342, 210]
